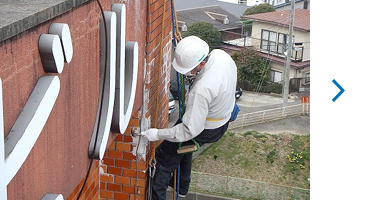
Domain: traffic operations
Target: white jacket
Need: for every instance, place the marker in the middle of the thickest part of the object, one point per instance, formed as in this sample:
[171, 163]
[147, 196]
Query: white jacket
[210, 99]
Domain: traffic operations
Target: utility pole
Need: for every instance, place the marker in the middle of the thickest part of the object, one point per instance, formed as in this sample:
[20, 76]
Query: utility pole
[288, 56]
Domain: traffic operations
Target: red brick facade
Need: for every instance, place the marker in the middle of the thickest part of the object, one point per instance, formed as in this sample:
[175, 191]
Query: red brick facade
[118, 169]
[59, 161]
[91, 189]
[120, 179]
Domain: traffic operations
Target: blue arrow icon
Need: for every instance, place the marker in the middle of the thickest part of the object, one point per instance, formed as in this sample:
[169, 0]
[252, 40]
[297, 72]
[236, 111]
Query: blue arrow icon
[341, 90]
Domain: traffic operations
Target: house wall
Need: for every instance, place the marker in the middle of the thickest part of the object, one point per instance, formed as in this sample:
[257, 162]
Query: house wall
[303, 73]
[277, 67]
[305, 38]
[275, 2]
[296, 5]
[58, 161]
[300, 36]
[245, 2]
[294, 73]
[280, 68]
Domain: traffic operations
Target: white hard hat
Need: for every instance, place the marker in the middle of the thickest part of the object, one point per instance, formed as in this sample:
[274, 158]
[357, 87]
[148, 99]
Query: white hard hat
[190, 51]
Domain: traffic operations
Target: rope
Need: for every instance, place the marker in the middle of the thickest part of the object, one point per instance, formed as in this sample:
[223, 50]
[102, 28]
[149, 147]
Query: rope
[177, 31]
[154, 145]
[264, 72]
[180, 77]
[181, 96]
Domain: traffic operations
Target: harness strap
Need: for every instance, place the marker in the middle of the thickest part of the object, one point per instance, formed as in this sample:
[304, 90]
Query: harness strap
[214, 120]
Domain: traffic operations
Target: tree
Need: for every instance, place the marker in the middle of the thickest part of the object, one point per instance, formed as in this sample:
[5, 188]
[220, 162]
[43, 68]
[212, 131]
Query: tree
[261, 8]
[207, 32]
[251, 66]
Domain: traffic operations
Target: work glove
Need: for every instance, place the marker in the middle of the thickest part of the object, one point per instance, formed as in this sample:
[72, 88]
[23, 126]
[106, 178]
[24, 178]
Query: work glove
[151, 134]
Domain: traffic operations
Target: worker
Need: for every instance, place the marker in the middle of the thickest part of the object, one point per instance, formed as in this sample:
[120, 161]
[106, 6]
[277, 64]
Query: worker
[209, 103]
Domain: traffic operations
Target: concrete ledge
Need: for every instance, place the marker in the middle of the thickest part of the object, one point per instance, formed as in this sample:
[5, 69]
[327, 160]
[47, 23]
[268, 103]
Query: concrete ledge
[19, 16]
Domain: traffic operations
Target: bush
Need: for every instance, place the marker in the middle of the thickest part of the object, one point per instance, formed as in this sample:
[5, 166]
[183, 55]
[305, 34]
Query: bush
[271, 156]
[261, 8]
[267, 88]
[251, 66]
[273, 88]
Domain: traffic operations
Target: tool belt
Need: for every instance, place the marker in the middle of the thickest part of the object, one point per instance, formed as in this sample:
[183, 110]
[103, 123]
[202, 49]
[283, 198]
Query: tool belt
[188, 148]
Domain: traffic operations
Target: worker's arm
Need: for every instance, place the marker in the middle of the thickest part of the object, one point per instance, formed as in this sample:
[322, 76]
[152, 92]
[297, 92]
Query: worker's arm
[192, 122]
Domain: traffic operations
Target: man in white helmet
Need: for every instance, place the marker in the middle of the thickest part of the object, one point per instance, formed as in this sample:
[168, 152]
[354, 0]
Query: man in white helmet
[209, 103]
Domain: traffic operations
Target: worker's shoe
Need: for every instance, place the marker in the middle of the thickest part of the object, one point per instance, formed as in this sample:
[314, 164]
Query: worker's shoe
[180, 195]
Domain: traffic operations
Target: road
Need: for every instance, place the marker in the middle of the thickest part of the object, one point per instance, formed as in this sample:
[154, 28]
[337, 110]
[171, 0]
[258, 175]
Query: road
[249, 102]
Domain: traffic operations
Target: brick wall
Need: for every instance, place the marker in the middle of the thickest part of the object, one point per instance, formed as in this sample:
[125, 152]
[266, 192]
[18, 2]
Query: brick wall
[58, 162]
[158, 63]
[91, 189]
[118, 176]
[123, 175]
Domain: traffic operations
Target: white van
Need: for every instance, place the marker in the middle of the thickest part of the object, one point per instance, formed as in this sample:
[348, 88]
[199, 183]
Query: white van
[171, 104]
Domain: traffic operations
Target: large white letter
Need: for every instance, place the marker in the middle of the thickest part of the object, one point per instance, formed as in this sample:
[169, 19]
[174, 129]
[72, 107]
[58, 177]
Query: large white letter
[31, 121]
[132, 63]
[118, 123]
[126, 76]
[62, 30]
[3, 184]
[51, 53]
[103, 119]
[53, 197]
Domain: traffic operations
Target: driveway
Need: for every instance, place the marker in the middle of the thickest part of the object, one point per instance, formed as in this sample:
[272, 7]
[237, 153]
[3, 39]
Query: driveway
[251, 102]
[298, 125]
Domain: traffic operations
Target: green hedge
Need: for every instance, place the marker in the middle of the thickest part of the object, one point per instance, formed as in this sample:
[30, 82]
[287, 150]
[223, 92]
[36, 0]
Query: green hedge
[268, 88]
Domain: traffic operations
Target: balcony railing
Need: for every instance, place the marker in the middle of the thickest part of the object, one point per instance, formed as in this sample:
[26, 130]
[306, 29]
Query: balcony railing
[234, 38]
[297, 54]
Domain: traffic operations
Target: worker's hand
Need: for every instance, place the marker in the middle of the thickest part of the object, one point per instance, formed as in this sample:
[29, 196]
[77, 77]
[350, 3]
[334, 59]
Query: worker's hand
[151, 134]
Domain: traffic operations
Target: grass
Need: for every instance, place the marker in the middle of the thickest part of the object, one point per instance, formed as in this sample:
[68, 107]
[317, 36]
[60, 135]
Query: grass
[279, 159]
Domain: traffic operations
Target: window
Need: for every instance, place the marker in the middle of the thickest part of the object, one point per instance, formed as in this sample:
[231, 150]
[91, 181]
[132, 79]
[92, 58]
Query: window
[268, 40]
[282, 42]
[275, 76]
[305, 4]
[307, 78]
[273, 41]
[242, 2]
[264, 40]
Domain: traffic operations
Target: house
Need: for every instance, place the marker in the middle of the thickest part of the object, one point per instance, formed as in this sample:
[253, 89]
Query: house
[278, 4]
[285, 5]
[235, 9]
[217, 16]
[228, 24]
[270, 34]
[246, 2]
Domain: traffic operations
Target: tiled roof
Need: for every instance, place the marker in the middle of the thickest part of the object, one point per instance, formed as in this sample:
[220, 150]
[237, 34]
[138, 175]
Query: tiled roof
[301, 18]
[235, 9]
